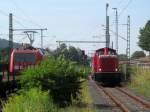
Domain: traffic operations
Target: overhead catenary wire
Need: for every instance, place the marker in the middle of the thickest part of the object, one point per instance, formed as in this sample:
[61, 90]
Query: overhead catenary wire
[122, 11]
[120, 2]
[7, 15]
[18, 22]
[24, 14]
[15, 19]
[3, 13]
[118, 5]
[119, 35]
[23, 38]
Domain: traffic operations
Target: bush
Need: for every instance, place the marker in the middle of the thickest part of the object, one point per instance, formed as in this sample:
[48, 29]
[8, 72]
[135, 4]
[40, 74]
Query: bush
[32, 101]
[86, 71]
[141, 80]
[62, 78]
[85, 104]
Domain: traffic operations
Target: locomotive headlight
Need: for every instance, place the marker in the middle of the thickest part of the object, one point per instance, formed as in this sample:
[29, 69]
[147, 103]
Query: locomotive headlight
[116, 69]
[100, 69]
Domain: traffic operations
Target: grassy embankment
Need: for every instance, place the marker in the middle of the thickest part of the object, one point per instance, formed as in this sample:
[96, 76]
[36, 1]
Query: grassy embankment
[141, 80]
[85, 104]
[48, 87]
[38, 101]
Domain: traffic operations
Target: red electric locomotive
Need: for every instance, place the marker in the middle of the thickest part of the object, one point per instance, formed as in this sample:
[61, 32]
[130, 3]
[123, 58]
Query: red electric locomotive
[21, 59]
[105, 66]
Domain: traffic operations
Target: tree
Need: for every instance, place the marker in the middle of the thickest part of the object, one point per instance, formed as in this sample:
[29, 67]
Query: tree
[144, 38]
[71, 53]
[4, 55]
[61, 50]
[138, 54]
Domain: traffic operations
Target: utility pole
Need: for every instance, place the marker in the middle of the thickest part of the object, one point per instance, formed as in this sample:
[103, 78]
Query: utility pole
[10, 32]
[42, 37]
[107, 27]
[128, 38]
[116, 21]
[112, 45]
[10, 41]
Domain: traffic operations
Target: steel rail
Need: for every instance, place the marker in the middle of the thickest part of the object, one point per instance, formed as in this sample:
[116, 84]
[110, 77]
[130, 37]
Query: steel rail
[113, 98]
[143, 102]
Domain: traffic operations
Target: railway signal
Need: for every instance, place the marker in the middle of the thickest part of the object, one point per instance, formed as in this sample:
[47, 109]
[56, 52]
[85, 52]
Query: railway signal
[84, 57]
[83, 52]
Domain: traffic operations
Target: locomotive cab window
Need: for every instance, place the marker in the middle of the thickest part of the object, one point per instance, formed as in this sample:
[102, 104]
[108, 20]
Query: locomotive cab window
[25, 57]
[111, 52]
[101, 52]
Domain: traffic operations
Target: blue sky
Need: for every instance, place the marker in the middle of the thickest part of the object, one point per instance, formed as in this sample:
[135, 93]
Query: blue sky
[73, 20]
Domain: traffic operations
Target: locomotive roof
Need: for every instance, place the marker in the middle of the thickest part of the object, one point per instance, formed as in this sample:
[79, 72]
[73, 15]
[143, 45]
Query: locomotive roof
[105, 48]
[25, 51]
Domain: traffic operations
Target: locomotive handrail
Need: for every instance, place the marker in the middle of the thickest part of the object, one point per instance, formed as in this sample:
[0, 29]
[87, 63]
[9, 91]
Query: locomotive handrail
[107, 55]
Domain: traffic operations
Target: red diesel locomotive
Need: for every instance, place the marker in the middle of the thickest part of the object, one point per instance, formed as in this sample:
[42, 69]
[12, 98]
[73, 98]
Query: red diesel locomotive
[105, 66]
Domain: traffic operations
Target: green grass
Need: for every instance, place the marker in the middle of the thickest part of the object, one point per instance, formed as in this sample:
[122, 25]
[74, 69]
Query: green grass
[33, 100]
[141, 80]
[62, 84]
[59, 76]
[85, 104]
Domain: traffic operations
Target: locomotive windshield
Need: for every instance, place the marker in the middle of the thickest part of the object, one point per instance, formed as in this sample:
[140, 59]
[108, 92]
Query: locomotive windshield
[111, 52]
[101, 52]
[106, 51]
[25, 57]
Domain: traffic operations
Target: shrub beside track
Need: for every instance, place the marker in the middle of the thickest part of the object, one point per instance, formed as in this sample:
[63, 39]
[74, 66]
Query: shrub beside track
[60, 78]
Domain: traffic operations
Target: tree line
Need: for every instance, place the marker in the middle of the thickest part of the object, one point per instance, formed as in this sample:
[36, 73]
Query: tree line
[71, 53]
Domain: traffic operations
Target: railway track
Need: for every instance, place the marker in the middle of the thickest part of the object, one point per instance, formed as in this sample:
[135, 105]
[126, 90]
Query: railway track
[124, 99]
